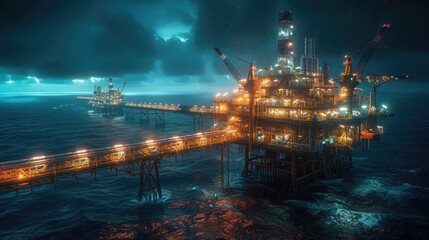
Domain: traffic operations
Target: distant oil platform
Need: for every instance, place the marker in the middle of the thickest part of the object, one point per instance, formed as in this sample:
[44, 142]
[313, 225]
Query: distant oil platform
[111, 96]
[107, 101]
[294, 125]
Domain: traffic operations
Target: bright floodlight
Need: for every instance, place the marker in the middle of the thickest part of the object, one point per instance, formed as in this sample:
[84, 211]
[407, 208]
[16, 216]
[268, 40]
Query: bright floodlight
[384, 106]
[343, 109]
[364, 106]
[38, 157]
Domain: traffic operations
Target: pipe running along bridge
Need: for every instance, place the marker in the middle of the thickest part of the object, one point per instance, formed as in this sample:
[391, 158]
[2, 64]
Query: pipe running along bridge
[140, 159]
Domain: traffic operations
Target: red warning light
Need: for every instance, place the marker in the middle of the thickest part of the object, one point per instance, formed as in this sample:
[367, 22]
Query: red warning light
[386, 25]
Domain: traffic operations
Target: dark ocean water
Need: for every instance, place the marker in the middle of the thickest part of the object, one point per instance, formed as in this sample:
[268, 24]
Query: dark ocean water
[387, 198]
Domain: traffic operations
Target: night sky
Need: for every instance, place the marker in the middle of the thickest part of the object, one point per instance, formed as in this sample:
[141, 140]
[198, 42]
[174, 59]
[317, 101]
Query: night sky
[167, 45]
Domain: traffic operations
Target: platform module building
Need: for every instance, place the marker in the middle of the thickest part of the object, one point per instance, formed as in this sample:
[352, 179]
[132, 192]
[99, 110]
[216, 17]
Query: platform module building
[296, 124]
[110, 96]
[109, 101]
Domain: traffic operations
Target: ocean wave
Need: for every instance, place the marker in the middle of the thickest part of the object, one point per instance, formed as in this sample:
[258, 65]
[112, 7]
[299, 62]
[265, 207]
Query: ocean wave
[378, 188]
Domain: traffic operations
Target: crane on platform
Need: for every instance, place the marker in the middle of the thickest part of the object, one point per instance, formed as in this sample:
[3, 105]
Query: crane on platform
[361, 65]
[229, 65]
[350, 78]
[251, 85]
[375, 79]
[123, 86]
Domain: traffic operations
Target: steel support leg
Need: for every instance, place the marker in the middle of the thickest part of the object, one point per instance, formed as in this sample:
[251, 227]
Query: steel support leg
[149, 183]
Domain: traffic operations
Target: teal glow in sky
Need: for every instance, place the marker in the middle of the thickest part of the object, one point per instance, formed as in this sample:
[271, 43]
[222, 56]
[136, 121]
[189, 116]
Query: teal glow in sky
[166, 45]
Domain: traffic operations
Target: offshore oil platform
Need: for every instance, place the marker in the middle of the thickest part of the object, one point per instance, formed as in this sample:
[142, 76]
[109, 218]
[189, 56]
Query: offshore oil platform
[296, 124]
[107, 102]
[293, 124]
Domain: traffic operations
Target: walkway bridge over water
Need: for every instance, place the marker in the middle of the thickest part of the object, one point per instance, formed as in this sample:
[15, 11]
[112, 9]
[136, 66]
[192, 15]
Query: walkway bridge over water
[140, 159]
[147, 111]
[276, 157]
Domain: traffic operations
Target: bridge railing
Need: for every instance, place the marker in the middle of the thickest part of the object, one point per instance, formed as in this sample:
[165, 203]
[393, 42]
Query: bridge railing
[160, 106]
[201, 109]
[21, 173]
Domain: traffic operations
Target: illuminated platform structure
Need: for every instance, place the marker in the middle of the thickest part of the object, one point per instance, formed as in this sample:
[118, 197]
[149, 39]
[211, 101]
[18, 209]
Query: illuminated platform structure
[295, 125]
[141, 159]
[107, 102]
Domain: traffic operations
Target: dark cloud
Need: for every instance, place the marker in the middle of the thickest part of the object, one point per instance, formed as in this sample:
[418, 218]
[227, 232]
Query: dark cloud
[71, 39]
[123, 46]
[346, 25]
[77, 39]
[185, 16]
[249, 29]
[180, 58]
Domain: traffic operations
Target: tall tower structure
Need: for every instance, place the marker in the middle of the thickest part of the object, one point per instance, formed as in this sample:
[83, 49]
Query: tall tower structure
[110, 83]
[309, 61]
[285, 43]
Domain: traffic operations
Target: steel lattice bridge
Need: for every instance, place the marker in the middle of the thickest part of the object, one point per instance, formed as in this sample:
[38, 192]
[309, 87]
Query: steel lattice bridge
[137, 159]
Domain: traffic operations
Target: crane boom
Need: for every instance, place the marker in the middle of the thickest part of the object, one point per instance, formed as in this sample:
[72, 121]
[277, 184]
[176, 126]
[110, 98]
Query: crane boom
[385, 79]
[360, 66]
[123, 86]
[229, 65]
[350, 78]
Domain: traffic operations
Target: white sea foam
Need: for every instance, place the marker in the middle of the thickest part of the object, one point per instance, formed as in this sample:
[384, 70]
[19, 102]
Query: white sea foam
[379, 188]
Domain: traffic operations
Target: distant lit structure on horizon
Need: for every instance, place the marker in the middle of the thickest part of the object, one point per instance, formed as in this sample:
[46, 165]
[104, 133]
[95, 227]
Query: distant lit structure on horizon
[111, 96]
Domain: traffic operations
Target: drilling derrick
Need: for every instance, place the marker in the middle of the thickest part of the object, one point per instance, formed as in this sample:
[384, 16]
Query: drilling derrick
[285, 43]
